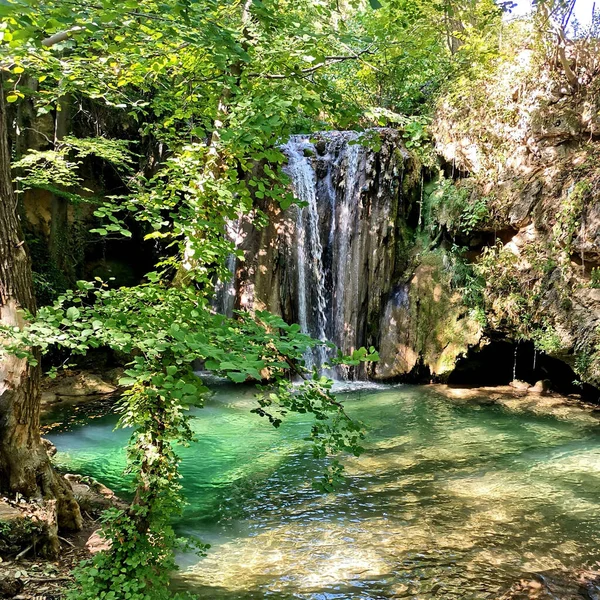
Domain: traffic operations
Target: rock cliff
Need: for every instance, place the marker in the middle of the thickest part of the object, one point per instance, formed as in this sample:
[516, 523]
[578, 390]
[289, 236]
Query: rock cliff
[526, 144]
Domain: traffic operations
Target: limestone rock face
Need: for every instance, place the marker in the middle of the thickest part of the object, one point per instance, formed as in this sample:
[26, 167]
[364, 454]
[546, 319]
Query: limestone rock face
[529, 143]
[425, 324]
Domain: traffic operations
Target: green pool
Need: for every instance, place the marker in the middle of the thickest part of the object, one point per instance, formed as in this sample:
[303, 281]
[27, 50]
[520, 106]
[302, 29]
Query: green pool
[454, 498]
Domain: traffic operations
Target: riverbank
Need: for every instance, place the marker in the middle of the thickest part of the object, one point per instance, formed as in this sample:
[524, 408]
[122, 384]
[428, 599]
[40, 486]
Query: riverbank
[26, 573]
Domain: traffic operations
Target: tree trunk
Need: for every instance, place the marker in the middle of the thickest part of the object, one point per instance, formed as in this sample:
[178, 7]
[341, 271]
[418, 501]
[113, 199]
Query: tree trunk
[24, 464]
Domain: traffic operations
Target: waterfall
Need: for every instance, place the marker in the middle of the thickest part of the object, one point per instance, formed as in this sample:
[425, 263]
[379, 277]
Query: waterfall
[309, 250]
[344, 227]
[328, 262]
[327, 181]
[225, 290]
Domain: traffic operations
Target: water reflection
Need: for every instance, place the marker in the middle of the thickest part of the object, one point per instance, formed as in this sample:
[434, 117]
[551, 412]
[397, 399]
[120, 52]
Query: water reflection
[454, 498]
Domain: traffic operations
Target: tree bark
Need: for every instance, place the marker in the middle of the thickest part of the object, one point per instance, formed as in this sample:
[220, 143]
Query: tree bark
[24, 464]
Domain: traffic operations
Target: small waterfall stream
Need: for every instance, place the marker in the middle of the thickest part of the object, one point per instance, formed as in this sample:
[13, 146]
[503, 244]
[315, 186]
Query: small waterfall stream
[225, 290]
[309, 250]
[344, 211]
[328, 181]
[327, 263]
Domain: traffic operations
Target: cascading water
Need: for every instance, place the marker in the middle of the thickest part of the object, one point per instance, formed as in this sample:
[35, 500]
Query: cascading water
[329, 264]
[225, 290]
[309, 250]
[343, 214]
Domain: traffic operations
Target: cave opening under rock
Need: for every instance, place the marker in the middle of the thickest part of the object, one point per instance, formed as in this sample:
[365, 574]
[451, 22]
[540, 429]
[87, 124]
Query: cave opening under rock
[502, 361]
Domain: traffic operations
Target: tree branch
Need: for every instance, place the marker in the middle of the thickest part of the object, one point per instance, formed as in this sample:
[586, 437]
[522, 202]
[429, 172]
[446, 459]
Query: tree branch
[61, 36]
[329, 60]
[564, 61]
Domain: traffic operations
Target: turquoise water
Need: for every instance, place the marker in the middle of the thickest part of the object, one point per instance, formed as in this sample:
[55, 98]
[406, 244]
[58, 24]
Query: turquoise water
[454, 498]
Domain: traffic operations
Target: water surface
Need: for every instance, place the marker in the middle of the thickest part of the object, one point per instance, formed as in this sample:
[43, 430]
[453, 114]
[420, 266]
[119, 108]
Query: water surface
[452, 499]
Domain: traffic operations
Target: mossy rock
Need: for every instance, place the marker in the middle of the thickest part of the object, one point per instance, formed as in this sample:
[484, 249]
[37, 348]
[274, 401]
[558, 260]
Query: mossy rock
[430, 327]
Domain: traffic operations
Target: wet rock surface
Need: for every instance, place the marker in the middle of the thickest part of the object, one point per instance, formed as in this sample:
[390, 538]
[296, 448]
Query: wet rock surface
[425, 324]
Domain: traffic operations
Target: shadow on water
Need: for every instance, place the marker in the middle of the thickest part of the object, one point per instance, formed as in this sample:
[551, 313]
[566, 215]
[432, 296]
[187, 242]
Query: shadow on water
[452, 498]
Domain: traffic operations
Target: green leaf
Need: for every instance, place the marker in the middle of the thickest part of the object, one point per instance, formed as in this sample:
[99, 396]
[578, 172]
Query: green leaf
[189, 389]
[236, 376]
[73, 313]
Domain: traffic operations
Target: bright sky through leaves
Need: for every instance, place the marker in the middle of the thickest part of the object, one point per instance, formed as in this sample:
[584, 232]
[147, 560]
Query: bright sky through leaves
[583, 9]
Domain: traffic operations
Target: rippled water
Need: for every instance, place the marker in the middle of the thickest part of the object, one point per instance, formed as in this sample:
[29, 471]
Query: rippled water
[454, 498]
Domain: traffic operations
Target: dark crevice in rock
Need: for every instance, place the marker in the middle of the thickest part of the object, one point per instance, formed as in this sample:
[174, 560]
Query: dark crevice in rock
[495, 364]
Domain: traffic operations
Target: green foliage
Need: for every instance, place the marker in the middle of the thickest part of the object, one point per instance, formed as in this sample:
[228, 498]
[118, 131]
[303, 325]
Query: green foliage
[48, 281]
[57, 170]
[595, 278]
[18, 534]
[508, 303]
[584, 361]
[455, 208]
[469, 282]
[415, 134]
[165, 329]
[568, 218]
[130, 570]
[419, 47]
[547, 340]
[514, 304]
[369, 139]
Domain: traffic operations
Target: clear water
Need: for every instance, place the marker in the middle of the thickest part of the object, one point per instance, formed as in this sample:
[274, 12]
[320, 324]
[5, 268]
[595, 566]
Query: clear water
[453, 498]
